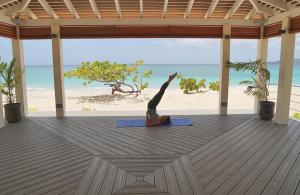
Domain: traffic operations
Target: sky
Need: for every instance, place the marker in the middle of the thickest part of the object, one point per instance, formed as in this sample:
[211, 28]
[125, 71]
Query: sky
[152, 51]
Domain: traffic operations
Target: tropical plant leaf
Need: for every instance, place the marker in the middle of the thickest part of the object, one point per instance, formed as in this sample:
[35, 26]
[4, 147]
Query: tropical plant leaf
[9, 78]
[259, 74]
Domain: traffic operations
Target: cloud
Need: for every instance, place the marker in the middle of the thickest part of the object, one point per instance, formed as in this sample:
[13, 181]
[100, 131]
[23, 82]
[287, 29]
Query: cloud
[189, 42]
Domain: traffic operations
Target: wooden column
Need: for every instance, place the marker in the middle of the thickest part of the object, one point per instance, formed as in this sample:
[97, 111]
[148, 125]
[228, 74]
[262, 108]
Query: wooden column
[2, 121]
[21, 91]
[285, 74]
[224, 77]
[58, 71]
[262, 53]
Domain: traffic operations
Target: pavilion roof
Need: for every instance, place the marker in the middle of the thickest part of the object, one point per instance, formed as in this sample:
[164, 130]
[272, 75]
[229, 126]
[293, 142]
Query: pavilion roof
[78, 9]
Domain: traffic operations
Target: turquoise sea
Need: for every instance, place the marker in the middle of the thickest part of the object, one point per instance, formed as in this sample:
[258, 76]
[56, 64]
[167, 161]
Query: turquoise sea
[41, 77]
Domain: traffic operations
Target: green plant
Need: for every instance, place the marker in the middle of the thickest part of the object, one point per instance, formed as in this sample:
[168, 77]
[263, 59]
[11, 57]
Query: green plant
[33, 109]
[258, 84]
[9, 79]
[296, 116]
[117, 76]
[214, 86]
[191, 84]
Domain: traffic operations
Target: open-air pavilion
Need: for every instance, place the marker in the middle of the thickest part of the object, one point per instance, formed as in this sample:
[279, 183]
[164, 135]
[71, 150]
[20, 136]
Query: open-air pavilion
[219, 154]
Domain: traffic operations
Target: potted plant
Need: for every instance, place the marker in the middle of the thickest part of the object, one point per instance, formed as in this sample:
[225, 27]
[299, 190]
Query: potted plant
[8, 80]
[257, 85]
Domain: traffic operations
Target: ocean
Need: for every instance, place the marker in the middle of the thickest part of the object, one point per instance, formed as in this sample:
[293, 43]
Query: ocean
[41, 77]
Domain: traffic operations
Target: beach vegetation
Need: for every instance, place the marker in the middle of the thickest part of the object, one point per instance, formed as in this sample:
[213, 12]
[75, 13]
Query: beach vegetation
[296, 115]
[33, 109]
[86, 109]
[9, 79]
[189, 85]
[214, 86]
[258, 84]
[123, 78]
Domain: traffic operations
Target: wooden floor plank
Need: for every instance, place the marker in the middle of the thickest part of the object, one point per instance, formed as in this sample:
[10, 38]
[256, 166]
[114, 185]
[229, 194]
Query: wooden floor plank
[215, 144]
[197, 188]
[120, 179]
[261, 182]
[109, 180]
[89, 176]
[237, 154]
[214, 159]
[265, 161]
[160, 180]
[183, 182]
[171, 180]
[230, 157]
[150, 179]
[97, 182]
[291, 182]
[250, 162]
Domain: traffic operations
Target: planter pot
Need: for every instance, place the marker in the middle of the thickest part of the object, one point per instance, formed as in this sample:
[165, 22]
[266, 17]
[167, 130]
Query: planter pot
[13, 112]
[266, 110]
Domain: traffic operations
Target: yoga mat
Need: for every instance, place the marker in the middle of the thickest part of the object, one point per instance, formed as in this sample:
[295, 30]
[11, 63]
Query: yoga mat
[142, 122]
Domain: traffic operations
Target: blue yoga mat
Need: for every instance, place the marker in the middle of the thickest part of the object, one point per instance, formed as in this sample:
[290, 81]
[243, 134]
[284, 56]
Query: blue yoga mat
[142, 122]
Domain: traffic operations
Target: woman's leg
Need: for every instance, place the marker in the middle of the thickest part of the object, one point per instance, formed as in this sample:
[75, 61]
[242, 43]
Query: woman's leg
[152, 104]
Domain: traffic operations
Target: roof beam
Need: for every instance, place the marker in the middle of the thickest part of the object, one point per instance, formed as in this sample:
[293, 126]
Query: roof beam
[277, 3]
[141, 9]
[211, 8]
[71, 8]
[165, 8]
[6, 19]
[118, 8]
[5, 2]
[30, 14]
[279, 17]
[48, 9]
[140, 21]
[189, 9]
[18, 8]
[250, 14]
[261, 8]
[95, 8]
[234, 8]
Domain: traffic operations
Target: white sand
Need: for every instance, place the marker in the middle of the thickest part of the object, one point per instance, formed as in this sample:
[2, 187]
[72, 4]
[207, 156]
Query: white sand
[89, 100]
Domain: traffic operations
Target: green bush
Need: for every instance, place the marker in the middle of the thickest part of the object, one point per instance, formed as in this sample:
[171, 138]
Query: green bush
[296, 116]
[214, 86]
[189, 85]
[120, 77]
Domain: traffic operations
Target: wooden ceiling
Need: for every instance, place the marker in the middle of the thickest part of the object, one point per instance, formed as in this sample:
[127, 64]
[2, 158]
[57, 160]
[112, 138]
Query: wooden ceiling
[61, 9]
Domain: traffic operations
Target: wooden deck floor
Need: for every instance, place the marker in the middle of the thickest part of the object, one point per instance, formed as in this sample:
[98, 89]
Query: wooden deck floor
[237, 154]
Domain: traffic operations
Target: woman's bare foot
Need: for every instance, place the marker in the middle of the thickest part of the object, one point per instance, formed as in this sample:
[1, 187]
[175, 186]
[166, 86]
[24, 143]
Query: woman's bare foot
[172, 76]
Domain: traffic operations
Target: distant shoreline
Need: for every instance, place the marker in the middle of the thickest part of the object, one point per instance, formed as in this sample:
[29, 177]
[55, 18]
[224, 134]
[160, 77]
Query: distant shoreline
[296, 61]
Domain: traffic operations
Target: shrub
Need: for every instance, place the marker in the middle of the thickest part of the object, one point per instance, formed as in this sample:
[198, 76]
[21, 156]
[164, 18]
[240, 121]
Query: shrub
[214, 86]
[296, 116]
[120, 77]
[189, 85]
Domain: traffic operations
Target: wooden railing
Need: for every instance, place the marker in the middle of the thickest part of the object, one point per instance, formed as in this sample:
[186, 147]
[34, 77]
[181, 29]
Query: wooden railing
[295, 98]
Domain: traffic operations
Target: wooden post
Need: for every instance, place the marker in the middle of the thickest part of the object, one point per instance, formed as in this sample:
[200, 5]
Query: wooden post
[21, 91]
[262, 53]
[285, 74]
[58, 71]
[2, 121]
[224, 78]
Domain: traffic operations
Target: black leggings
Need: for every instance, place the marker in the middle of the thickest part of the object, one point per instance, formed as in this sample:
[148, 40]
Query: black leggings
[152, 104]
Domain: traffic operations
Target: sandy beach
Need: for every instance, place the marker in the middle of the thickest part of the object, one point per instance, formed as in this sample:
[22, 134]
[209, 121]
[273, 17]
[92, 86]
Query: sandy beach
[89, 100]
